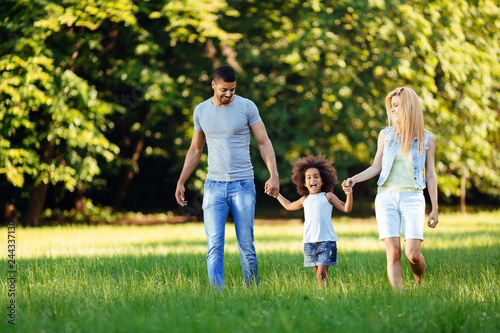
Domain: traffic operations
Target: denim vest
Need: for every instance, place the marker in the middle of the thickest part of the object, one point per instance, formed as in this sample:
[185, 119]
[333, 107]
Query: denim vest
[390, 151]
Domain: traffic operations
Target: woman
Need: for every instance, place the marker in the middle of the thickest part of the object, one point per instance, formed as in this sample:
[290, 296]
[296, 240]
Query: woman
[404, 149]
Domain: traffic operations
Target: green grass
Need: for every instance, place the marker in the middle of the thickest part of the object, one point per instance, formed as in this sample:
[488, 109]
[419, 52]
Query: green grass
[153, 279]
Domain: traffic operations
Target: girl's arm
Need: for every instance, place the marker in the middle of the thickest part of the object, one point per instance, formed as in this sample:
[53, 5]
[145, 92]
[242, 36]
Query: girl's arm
[337, 203]
[431, 179]
[374, 169]
[296, 205]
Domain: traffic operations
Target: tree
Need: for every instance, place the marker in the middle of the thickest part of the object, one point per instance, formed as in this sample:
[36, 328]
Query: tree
[466, 94]
[52, 120]
[97, 96]
[323, 68]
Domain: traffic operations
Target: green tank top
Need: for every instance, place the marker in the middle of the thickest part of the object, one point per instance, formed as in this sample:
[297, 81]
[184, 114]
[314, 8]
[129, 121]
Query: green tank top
[401, 175]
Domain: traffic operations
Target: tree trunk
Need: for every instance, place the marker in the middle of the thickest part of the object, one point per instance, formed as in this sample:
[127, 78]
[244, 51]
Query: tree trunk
[463, 192]
[126, 175]
[80, 201]
[11, 214]
[37, 202]
[37, 199]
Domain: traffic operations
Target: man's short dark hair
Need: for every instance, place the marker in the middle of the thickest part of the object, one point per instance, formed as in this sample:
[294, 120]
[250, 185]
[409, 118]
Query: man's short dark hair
[226, 73]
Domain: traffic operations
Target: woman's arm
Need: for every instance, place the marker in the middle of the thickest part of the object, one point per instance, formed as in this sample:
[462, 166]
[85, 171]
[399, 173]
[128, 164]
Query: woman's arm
[296, 205]
[374, 169]
[431, 179]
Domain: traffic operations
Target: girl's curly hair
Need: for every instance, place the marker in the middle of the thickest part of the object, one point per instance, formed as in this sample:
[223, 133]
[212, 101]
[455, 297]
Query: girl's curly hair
[326, 170]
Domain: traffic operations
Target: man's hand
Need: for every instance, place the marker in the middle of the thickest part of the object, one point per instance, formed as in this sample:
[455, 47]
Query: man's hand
[179, 195]
[272, 187]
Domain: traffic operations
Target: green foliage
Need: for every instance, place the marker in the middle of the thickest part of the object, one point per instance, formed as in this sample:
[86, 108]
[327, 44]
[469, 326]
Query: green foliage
[196, 20]
[51, 118]
[465, 90]
[91, 215]
[97, 95]
[328, 66]
[99, 215]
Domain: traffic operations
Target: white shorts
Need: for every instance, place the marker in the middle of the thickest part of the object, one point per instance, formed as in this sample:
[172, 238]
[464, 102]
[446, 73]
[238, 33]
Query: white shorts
[396, 211]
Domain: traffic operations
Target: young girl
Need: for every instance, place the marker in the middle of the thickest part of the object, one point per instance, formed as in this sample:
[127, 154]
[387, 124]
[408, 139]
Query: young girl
[315, 178]
[404, 150]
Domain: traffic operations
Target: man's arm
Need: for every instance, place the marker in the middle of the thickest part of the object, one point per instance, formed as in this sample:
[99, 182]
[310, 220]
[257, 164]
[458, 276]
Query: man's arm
[272, 186]
[190, 163]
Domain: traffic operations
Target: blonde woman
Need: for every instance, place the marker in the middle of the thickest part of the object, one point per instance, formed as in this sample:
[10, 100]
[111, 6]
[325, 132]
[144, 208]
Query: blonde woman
[404, 150]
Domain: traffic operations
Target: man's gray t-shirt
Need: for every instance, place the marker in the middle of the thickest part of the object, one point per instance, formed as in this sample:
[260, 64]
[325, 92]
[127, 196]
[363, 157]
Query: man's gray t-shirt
[227, 132]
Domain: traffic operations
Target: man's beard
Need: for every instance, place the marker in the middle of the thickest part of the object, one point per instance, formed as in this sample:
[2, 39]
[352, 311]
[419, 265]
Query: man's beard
[225, 100]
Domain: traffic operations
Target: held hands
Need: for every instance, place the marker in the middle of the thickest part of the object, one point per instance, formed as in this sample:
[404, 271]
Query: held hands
[347, 190]
[347, 185]
[272, 187]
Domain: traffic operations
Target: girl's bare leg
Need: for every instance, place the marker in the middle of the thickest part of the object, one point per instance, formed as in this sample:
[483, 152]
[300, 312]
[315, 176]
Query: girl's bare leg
[321, 275]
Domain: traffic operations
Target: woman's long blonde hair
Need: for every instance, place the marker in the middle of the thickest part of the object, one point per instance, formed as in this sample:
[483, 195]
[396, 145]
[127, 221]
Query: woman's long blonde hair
[411, 119]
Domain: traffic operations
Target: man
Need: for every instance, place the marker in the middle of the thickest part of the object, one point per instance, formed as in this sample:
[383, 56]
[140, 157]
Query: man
[225, 121]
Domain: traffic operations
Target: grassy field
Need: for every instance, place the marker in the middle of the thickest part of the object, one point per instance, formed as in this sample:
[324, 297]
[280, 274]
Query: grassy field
[153, 279]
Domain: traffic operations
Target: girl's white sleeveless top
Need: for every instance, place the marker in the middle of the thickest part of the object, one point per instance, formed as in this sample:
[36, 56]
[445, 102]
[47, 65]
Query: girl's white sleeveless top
[318, 225]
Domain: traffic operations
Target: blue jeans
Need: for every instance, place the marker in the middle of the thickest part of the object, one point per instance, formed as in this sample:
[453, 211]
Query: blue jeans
[218, 199]
[321, 253]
